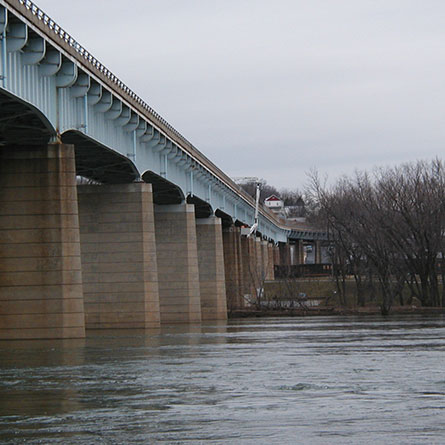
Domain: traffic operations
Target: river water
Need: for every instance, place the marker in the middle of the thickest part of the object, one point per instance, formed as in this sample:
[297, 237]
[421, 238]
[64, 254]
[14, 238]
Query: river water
[317, 380]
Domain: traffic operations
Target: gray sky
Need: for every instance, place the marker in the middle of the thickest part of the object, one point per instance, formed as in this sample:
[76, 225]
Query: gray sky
[274, 88]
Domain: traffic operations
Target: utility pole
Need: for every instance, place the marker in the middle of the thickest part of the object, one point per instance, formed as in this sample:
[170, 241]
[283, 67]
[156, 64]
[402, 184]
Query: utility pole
[254, 228]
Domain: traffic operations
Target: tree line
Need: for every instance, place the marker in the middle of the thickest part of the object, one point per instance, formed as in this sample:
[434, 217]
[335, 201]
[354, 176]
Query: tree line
[290, 197]
[387, 231]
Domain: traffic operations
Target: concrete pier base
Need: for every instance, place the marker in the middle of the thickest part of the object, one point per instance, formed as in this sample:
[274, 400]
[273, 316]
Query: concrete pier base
[276, 255]
[284, 254]
[178, 273]
[211, 269]
[300, 255]
[119, 256]
[233, 267]
[40, 266]
[270, 262]
[259, 270]
[249, 261]
[318, 256]
[265, 266]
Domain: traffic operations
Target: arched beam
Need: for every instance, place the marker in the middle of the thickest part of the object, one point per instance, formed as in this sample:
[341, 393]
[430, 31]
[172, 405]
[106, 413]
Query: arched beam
[202, 208]
[164, 191]
[21, 123]
[226, 219]
[94, 161]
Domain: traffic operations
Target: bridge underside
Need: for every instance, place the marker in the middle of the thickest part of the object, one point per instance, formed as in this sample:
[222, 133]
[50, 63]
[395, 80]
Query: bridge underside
[22, 124]
[202, 208]
[164, 191]
[226, 219]
[99, 163]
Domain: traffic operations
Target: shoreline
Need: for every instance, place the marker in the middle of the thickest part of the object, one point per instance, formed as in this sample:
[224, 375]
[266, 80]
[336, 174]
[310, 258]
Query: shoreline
[330, 311]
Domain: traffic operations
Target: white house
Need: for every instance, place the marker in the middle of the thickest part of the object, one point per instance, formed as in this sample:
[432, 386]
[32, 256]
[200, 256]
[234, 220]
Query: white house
[274, 203]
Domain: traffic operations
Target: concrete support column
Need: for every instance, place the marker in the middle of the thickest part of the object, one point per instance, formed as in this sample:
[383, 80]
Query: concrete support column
[265, 260]
[270, 262]
[119, 256]
[248, 254]
[256, 266]
[178, 273]
[233, 266]
[285, 259]
[212, 283]
[40, 268]
[276, 256]
[317, 247]
[300, 252]
[293, 254]
[259, 270]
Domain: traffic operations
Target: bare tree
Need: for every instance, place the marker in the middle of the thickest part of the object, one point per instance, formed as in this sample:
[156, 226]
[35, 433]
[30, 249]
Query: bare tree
[390, 226]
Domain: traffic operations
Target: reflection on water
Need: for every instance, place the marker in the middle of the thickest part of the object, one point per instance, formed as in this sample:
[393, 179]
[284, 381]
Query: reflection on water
[318, 380]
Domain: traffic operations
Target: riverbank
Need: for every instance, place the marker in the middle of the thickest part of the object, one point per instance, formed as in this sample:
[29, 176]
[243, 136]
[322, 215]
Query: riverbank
[331, 310]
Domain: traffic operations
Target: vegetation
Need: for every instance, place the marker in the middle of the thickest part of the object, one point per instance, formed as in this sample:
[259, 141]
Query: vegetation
[387, 231]
[289, 197]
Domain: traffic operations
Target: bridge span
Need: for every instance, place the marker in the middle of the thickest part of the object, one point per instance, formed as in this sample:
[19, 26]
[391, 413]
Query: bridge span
[109, 217]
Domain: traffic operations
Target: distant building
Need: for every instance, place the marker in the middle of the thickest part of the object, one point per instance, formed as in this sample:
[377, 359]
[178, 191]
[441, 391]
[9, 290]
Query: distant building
[274, 203]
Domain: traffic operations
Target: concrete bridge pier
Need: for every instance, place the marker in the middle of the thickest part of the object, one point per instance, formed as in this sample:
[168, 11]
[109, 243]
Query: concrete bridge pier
[248, 263]
[285, 254]
[264, 271]
[268, 260]
[299, 254]
[211, 268]
[119, 262]
[40, 265]
[318, 255]
[270, 275]
[250, 266]
[233, 266]
[276, 256]
[177, 257]
[258, 269]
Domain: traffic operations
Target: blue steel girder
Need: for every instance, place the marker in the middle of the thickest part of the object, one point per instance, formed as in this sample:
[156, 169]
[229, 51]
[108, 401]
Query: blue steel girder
[81, 102]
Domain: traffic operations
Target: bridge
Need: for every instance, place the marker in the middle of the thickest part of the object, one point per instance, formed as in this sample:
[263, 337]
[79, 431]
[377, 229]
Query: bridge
[109, 217]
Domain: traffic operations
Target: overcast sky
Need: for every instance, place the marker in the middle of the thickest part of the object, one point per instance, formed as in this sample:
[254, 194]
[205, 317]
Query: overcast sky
[274, 88]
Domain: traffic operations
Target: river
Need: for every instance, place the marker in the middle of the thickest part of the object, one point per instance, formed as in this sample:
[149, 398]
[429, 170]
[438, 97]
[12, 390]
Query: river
[314, 380]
